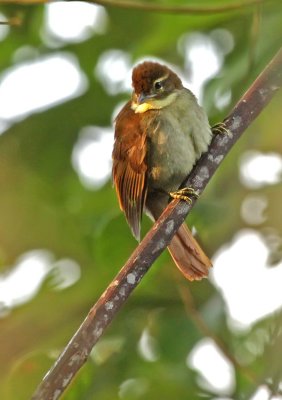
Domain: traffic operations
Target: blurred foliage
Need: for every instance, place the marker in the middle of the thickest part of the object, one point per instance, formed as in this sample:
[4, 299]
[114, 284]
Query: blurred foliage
[43, 205]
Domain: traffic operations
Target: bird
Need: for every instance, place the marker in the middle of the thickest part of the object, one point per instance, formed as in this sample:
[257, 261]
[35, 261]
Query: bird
[160, 133]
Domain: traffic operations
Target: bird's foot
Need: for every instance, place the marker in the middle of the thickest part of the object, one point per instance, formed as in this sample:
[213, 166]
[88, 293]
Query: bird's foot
[220, 128]
[184, 194]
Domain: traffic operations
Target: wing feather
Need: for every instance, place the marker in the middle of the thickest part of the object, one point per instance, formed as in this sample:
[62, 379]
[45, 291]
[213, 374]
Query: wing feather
[129, 166]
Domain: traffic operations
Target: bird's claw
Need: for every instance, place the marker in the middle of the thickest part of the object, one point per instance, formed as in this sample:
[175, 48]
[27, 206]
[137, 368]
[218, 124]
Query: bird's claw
[220, 128]
[184, 194]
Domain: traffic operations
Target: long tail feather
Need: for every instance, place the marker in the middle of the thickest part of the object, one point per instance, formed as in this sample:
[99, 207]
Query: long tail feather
[188, 255]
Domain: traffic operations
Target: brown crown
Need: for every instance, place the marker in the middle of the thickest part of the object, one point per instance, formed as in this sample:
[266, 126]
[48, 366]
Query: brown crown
[144, 75]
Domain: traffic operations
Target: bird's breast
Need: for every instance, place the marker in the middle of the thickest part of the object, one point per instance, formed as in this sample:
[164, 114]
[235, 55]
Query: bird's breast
[170, 154]
[177, 136]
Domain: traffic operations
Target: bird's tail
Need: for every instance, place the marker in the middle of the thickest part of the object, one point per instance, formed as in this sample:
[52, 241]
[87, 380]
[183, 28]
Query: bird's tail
[188, 255]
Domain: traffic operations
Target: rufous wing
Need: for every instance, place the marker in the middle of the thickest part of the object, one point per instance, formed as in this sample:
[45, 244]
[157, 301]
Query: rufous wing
[129, 166]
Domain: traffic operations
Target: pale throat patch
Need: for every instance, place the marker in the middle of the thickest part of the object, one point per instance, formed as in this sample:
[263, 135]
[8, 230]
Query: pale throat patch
[153, 104]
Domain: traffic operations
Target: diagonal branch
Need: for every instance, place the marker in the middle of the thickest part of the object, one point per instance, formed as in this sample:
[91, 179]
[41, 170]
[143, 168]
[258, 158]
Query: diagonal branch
[103, 312]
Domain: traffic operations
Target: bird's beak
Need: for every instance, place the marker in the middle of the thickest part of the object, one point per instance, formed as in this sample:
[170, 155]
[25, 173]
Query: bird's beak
[141, 98]
[141, 102]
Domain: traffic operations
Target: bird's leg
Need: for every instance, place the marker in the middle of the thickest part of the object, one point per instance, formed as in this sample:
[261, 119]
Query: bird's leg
[184, 194]
[220, 128]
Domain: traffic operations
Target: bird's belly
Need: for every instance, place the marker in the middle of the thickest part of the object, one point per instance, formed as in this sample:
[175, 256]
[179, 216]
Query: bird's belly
[171, 158]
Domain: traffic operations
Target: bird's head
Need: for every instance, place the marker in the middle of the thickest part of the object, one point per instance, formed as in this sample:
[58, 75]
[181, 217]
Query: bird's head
[154, 86]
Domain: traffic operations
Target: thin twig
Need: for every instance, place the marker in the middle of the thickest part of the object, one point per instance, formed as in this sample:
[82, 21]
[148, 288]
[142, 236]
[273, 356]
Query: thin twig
[162, 8]
[180, 9]
[204, 329]
[103, 312]
[14, 21]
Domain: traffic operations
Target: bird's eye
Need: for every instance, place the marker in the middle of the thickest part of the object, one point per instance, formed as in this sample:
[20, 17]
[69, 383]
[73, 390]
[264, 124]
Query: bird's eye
[158, 85]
